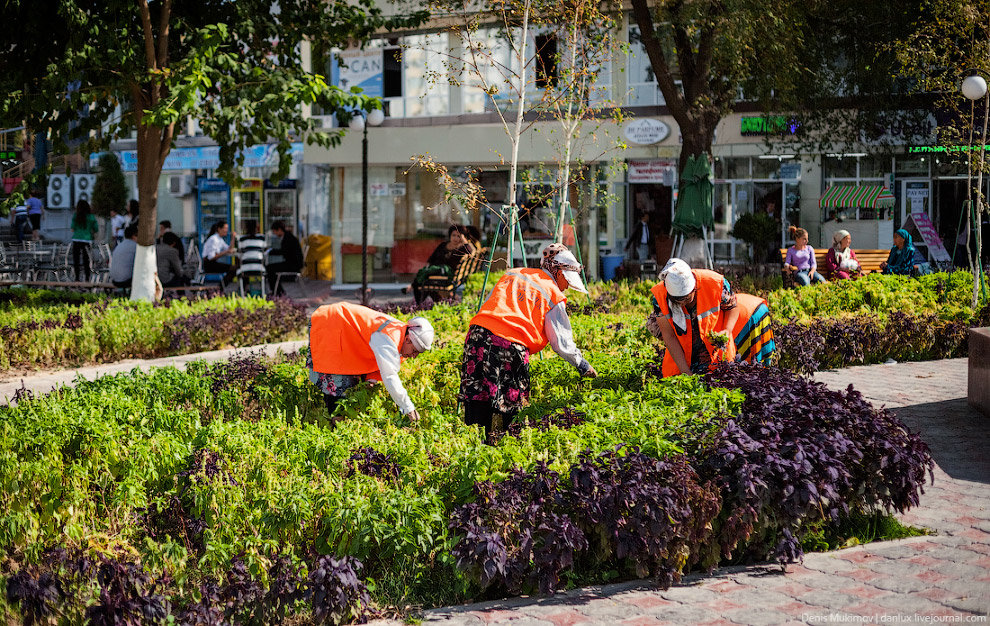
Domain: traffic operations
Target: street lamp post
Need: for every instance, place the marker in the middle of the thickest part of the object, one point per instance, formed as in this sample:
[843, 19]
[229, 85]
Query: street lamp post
[974, 88]
[373, 117]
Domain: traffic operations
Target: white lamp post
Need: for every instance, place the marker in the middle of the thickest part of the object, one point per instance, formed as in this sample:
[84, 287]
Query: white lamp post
[974, 88]
[374, 117]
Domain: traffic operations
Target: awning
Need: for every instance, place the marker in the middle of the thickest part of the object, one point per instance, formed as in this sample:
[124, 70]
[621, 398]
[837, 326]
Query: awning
[856, 197]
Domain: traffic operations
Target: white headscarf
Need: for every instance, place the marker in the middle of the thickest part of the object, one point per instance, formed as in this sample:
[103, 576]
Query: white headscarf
[420, 332]
[842, 257]
[679, 280]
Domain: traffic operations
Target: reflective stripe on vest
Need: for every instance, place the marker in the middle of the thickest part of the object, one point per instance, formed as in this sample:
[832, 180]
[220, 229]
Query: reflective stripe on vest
[518, 305]
[709, 301]
[340, 336]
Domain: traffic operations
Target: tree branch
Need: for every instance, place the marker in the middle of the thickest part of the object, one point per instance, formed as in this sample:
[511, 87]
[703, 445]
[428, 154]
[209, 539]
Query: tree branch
[163, 28]
[648, 35]
[149, 36]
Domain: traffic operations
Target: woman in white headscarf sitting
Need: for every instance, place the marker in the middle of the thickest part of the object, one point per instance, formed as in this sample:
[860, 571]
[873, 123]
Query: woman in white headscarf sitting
[840, 260]
[702, 322]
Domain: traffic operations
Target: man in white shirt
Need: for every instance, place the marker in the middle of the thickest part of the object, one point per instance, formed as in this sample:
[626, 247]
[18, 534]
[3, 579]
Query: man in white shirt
[122, 259]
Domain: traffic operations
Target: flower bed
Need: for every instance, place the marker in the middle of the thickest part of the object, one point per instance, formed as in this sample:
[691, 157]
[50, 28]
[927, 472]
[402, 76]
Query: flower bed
[43, 329]
[220, 492]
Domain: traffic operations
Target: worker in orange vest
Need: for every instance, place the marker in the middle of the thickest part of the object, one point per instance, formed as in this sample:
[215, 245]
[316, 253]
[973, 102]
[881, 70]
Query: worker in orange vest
[350, 343]
[702, 322]
[524, 312]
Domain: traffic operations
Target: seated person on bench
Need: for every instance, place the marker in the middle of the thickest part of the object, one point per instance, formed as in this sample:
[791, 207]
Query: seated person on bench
[170, 271]
[290, 251]
[215, 249]
[122, 259]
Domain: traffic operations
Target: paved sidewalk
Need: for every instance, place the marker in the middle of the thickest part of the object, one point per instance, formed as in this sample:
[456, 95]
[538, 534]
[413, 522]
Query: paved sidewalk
[44, 382]
[916, 580]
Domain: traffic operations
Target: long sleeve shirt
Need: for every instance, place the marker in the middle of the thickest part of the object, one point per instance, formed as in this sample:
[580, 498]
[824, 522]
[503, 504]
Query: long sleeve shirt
[557, 326]
[388, 359]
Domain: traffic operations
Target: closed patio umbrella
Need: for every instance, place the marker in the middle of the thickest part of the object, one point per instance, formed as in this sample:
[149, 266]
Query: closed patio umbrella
[693, 216]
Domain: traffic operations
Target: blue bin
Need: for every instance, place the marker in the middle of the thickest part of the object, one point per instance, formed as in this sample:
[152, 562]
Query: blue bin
[610, 263]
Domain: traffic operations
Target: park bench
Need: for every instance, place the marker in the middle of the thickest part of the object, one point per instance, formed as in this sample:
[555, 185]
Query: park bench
[200, 288]
[442, 287]
[869, 261]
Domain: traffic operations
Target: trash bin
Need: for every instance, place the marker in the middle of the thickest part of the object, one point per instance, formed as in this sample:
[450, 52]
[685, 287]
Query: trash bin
[610, 263]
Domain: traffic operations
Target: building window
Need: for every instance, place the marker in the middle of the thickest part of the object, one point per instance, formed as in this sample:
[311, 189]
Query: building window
[546, 61]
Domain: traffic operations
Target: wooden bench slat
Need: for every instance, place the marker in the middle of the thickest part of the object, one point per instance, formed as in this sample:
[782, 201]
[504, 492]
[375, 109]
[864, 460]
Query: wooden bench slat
[869, 260]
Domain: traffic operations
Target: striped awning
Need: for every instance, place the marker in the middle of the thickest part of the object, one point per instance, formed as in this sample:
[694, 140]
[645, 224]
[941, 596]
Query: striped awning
[856, 197]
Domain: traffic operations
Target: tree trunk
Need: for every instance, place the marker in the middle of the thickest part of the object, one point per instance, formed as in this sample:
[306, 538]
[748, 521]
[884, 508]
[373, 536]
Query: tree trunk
[149, 169]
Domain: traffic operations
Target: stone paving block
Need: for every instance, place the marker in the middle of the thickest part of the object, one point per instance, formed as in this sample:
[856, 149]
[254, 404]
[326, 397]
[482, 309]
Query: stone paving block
[901, 585]
[966, 588]
[759, 597]
[565, 618]
[642, 620]
[695, 594]
[891, 567]
[647, 602]
[932, 577]
[902, 604]
[494, 616]
[974, 605]
[830, 600]
[685, 614]
[961, 571]
[866, 592]
[603, 610]
[757, 617]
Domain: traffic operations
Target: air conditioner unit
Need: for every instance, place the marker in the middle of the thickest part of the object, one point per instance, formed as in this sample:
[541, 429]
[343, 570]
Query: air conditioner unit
[180, 185]
[82, 187]
[59, 192]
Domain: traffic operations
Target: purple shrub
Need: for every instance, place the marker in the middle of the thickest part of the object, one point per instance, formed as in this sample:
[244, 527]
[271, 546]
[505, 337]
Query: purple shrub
[799, 452]
[335, 591]
[516, 535]
[650, 513]
[370, 462]
[215, 329]
[239, 371]
[38, 594]
[565, 418]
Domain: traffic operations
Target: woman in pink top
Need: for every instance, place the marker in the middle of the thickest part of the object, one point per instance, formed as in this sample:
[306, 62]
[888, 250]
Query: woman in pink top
[800, 259]
[840, 260]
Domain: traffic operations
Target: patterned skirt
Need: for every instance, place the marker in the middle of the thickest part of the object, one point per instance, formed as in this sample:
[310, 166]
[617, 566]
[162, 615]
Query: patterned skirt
[494, 370]
[754, 339]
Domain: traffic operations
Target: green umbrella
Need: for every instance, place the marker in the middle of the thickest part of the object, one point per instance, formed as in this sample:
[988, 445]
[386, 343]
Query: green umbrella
[694, 198]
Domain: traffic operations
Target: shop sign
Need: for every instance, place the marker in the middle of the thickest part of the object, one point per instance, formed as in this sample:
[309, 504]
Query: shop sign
[378, 189]
[660, 171]
[771, 125]
[790, 171]
[9, 155]
[203, 158]
[928, 234]
[646, 131]
[397, 189]
[359, 68]
[936, 149]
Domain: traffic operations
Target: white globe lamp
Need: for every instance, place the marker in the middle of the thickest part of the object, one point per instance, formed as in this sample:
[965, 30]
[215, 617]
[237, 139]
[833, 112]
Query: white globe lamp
[377, 116]
[356, 123]
[974, 87]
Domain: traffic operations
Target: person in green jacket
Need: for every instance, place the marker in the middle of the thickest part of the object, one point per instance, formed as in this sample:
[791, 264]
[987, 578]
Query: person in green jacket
[84, 228]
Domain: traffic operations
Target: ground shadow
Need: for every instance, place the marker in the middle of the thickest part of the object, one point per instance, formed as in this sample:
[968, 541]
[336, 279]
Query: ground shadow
[957, 434]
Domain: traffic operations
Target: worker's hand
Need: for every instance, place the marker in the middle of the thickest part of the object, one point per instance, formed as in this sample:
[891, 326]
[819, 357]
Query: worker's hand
[591, 373]
[413, 417]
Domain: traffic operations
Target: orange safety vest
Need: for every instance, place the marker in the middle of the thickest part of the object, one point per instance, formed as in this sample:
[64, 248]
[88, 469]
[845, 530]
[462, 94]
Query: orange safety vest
[340, 336]
[710, 319]
[518, 305]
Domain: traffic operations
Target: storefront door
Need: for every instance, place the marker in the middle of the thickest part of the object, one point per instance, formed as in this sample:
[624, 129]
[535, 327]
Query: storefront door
[916, 197]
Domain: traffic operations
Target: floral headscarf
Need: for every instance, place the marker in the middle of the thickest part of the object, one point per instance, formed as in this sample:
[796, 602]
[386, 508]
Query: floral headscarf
[550, 263]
